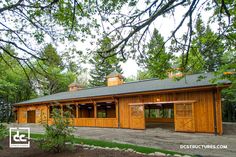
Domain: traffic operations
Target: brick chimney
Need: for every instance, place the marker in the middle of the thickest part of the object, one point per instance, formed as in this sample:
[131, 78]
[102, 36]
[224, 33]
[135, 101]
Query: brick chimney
[175, 73]
[74, 87]
[114, 79]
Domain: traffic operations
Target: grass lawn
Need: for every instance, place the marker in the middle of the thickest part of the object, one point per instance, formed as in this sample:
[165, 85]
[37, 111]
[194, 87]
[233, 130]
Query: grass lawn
[101, 143]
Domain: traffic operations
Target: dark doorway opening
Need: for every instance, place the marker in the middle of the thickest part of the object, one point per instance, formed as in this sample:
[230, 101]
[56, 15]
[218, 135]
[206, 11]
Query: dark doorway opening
[86, 111]
[31, 116]
[159, 116]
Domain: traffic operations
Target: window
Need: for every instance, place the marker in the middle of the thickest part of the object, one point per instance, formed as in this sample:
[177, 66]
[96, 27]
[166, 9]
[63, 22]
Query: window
[184, 110]
[51, 109]
[86, 111]
[106, 110]
[71, 109]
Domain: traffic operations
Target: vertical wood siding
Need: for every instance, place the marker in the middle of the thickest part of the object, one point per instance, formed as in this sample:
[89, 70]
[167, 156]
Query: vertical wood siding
[203, 110]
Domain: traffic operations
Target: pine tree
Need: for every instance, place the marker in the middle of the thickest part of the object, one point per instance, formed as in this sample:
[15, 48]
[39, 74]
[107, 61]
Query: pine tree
[103, 67]
[206, 50]
[157, 60]
[207, 43]
[53, 77]
[51, 57]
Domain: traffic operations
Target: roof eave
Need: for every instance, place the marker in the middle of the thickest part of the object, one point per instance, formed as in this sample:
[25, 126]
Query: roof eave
[130, 94]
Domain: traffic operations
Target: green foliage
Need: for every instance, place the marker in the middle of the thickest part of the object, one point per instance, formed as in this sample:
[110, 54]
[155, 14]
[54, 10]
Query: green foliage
[58, 136]
[209, 53]
[103, 67]
[157, 61]
[53, 77]
[3, 133]
[228, 94]
[143, 75]
[51, 57]
[15, 86]
[130, 79]
[206, 50]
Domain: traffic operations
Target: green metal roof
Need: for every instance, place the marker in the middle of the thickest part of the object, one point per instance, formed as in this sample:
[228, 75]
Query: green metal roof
[196, 80]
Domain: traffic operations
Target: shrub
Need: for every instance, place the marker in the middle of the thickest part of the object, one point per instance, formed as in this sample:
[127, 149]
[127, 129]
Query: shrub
[3, 133]
[58, 136]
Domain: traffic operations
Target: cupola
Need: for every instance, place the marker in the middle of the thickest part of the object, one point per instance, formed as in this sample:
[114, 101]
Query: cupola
[74, 87]
[114, 79]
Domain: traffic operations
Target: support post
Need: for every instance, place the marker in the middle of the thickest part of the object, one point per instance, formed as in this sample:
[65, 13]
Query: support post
[214, 107]
[77, 110]
[117, 112]
[219, 112]
[47, 114]
[95, 109]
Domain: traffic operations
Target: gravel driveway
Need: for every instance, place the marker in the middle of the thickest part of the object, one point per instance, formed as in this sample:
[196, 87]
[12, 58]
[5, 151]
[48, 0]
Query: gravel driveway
[158, 137]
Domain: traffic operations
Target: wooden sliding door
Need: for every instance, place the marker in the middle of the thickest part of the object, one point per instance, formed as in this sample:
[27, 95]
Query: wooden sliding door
[137, 119]
[184, 117]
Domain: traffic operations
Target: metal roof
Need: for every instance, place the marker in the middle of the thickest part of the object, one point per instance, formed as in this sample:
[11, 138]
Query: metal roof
[196, 80]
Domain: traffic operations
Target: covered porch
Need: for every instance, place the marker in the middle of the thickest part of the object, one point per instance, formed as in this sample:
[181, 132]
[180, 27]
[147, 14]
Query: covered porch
[89, 113]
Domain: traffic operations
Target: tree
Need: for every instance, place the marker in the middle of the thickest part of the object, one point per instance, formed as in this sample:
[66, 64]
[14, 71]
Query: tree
[207, 43]
[228, 69]
[206, 51]
[58, 136]
[3, 134]
[143, 74]
[53, 77]
[157, 61]
[137, 23]
[14, 85]
[28, 23]
[102, 68]
[51, 57]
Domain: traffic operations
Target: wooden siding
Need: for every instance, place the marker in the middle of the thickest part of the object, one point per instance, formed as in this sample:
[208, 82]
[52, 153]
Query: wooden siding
[184, 117]
[203, 109]
[219, 113]
[93, 122]
[40, 113]
[125, 110]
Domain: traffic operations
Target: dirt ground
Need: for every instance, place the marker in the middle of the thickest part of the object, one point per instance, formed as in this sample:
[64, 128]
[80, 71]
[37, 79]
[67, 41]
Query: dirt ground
[79, 151]
[163, 138]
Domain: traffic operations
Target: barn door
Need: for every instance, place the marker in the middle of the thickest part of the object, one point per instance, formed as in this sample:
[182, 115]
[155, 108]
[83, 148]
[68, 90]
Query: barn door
[184, 117]
[31, 116]
[137, 119]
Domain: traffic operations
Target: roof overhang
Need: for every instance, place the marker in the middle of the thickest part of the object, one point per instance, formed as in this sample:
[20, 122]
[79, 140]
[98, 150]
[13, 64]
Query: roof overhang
[209, 87]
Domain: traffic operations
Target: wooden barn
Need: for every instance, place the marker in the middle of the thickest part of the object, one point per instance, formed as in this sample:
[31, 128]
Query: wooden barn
[192, 104]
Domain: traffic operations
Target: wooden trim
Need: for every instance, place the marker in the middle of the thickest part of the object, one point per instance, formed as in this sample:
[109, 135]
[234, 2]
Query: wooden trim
[219, 111]
[214, 107]
[164, 102]
[77, 110]
[193, 116]
[95, 109]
